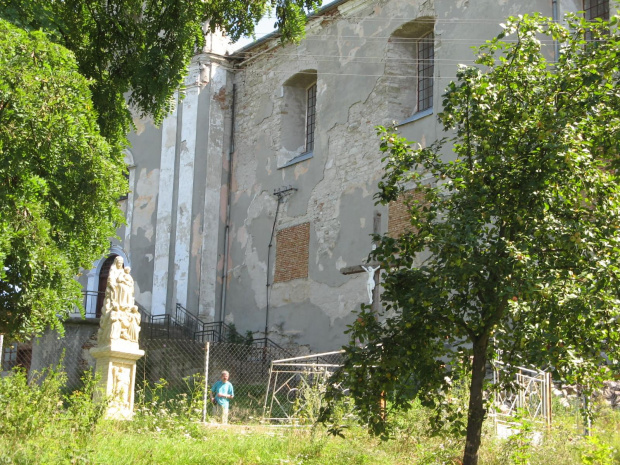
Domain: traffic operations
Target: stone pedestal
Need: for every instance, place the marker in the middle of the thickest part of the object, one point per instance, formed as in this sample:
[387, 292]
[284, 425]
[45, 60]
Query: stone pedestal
[116, 367]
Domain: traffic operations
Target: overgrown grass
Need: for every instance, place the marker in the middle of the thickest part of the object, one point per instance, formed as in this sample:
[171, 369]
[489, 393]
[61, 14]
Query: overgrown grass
[41, 425]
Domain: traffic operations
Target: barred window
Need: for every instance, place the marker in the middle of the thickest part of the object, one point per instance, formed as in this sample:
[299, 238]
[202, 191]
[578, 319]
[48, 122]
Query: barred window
[299, 117]
[16, 355]
[596, 9]
[310, 117]
[426, 65]
[410, 69]
[9, 357]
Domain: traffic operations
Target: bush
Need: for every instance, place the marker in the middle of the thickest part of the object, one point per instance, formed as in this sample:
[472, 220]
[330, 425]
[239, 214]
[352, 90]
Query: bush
[39, 405]
[40, 423]
[157, 410]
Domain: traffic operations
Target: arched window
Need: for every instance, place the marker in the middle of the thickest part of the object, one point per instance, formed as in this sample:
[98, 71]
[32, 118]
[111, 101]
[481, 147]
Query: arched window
[299, 116]
[97, 279]
[410, 69]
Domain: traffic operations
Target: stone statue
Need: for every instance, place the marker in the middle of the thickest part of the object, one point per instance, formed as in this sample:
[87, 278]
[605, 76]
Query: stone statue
[133, 324]
[120, 319]
[370, 284]
[125, 289]
[111, 288]
[117, 343]
[121, 385]
[115, 324]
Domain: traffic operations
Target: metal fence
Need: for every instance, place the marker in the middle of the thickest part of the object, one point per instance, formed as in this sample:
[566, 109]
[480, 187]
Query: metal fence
[174, 360]
[183, 362]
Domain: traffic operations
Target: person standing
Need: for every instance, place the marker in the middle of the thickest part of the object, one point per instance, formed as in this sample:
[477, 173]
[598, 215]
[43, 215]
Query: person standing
[221, 393]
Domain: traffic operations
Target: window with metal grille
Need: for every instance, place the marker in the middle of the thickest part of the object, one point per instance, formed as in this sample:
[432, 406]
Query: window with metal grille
[9, 357]
[426, 56]
[310, 117]
[299, 118]
[409, 70]
[17, 354]
[596, 9]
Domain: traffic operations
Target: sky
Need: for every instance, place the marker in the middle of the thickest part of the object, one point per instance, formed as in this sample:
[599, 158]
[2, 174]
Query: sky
[264, 27]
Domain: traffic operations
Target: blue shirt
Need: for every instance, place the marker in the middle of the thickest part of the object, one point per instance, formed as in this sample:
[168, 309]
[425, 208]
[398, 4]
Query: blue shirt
[225, 388]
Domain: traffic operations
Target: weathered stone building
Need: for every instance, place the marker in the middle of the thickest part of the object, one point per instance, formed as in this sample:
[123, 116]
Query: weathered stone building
[254, 196]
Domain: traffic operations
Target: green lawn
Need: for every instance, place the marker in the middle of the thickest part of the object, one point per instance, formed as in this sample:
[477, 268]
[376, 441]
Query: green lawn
[39, 424]
[121, 443]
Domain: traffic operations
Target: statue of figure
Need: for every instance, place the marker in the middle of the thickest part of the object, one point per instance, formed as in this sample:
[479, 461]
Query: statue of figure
[121, 385]
[370, 284]
[133, 329]
[115, 324]
[125, 289]
[111, 294]
[121, 320]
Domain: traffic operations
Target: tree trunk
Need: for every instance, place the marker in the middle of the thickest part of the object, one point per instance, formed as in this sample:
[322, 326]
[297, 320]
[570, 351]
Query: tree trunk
[476, 412]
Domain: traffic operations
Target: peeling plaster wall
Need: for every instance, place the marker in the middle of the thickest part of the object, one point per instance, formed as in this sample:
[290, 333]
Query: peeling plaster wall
[177, 226]
[175, 236]
[335, 187]
[146, 147]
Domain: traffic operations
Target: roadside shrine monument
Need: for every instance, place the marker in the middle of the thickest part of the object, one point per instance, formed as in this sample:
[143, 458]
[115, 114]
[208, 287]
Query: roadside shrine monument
[117, 343]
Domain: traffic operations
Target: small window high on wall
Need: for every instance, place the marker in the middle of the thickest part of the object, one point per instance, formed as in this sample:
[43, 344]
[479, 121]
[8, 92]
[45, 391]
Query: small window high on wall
[410, 69]
[299, 117]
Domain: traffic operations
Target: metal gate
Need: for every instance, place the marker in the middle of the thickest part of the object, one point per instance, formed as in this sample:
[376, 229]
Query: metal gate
[531, 396]
[296, 386]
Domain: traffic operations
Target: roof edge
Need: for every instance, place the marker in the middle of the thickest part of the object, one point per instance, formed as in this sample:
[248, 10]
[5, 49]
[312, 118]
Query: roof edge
[275, 34]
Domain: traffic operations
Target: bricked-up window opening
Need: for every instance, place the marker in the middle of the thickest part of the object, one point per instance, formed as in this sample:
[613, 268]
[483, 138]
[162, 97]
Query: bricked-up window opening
[399, 218]
[426, 67]
[596, 9]
[292, 251]
[310, 117]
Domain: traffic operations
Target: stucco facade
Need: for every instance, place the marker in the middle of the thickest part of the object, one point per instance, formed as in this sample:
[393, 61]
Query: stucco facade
[202, 212]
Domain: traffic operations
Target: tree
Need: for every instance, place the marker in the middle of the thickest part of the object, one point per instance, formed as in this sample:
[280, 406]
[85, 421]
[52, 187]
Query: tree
[59, 182]
[514, 245]
[141, 49]
[60, 178]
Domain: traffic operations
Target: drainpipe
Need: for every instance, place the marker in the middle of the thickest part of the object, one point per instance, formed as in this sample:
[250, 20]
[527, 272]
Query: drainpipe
[273, 229]
[228, 194]
[556, 16]
[280, 194]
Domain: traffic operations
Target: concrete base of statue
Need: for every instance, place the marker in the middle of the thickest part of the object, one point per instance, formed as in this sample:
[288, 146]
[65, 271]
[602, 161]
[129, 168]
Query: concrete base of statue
[116, 369]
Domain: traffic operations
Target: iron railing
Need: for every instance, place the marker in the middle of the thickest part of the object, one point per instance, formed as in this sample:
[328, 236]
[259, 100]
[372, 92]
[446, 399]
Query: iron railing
[179, 324]
[87, 297]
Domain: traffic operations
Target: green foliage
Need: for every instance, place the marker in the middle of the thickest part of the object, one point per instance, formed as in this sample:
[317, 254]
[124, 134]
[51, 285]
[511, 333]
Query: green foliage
[234, 337]
[596, 452]
[514, 239]
[142, 48]
[37, 408]
[59, 182]
[40, 424]
[157, 411]
[519, 444]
